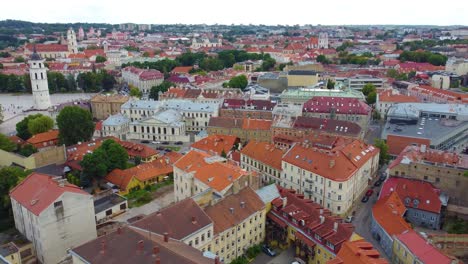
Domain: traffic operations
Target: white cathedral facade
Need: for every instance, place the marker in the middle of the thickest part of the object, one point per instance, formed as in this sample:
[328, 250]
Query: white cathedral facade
[39, 84]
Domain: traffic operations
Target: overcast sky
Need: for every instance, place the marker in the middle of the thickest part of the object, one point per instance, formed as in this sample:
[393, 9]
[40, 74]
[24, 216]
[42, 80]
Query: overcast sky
[273, 12]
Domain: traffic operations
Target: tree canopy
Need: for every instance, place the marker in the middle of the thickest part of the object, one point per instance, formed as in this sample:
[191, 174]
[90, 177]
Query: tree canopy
[6, 144]
[100, 59]
[163, 87]
[384, 157]
[423, 56]
[96, 81]
[75, 125]
[9, 178]
[238, 82]
[134, 91]
[22, 127]
[40, 124]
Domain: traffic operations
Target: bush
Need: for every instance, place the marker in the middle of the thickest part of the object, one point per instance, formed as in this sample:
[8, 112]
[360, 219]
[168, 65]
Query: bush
[253, 251]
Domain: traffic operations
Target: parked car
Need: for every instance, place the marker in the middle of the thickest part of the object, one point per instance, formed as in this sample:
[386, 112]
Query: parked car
[145, 141]
[383, 177]
[156, 142]
[168, 150]
[378, 183]
[160, 148]
[179, 143]
[349, 219]
[165, 143]
[365, 199]
[270, 252]
[369, 192]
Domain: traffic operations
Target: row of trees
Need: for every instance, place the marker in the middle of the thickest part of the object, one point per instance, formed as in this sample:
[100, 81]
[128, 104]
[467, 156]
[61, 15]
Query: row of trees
[423, 56]
[96, 81]
[370, 92]
[364, 59]
[32, 125]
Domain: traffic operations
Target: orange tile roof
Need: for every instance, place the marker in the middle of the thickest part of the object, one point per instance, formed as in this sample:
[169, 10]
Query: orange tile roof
[217, 175]
[388, 213]
[17, 140]
[216, 143]
[264, 152]
[396, 144]
[44, 137]
[182, 69]
[414, 154]
[423, 250]
[338, 164]
[358, 252]
[388, 96]
[256, 124]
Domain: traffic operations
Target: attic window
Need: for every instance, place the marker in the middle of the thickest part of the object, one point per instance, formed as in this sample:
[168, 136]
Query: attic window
[415, 203]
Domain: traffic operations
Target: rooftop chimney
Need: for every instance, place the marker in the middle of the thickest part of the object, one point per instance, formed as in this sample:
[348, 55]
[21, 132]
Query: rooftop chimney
[332, 163]
[155, 250]
[322, 219]
[335, 226]
[194, 220]
[166, 237]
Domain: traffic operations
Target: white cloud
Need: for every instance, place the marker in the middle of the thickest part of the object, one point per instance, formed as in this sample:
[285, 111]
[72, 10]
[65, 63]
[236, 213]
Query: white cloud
[331, 12]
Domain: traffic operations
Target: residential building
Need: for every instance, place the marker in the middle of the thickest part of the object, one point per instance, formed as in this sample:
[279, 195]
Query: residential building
[196, 115]
[457, 66]
[184, 221]
[358, 252]
[409, 248]
[53, 214]
[314, 232]
[143, 175]
[302, 95]
[45, 140]
[117, 126]
[346, 109]
[265, 159]
[199, 171]
[198, 43]
[216, 144]
[302, 127]
[130, 245]
[240, 108]
[17, 252]
[422, 200]
[104, 106]
[109, 206]
[438, 126]
[445, 170]
[238, 224]
[166, 125]
[387, 221]
[388, 98]
[359, 81]
[139, 109]
[143, 79]
[332, 176]
[429, 94]
[245, 129]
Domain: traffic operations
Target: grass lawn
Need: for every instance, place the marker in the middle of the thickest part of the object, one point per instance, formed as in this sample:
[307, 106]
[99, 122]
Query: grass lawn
[454, 225]
[144, 196]
[173, 148]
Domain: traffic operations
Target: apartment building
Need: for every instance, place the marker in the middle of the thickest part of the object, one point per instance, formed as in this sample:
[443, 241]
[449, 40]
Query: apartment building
[199, 171]
[244, 128]
[103, 106]
[333, 177]
[240, 108]
[53, 214]
[388, 98]
[143, 79]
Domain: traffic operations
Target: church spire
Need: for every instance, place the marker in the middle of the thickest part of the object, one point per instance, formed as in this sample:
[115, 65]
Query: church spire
[35, 55]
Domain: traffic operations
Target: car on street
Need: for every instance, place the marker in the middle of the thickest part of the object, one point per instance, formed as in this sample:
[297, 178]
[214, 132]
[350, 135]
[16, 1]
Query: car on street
[270, 252]
[378, 183]
[155, 142]
[365, 199]
[179, 143]
[369, 192]
[145, 141]
[165, 143]
[383, 177]
[160, 148]
[349, 219]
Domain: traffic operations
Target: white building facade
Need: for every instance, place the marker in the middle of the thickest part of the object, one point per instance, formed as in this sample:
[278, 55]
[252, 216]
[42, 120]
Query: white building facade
[39, 84]
[143, 79]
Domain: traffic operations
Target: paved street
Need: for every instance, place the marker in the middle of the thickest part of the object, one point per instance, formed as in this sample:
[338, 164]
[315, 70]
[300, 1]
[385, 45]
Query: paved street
[285, 257]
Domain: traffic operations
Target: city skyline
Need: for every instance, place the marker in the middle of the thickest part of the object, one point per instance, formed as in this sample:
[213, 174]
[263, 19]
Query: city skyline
[359, 12]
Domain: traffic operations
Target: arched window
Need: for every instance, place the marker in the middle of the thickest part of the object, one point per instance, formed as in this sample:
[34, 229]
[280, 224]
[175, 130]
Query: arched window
[35, 75]
[42, 75]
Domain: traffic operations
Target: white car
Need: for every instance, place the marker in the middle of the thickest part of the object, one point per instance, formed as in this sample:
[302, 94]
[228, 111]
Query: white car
[155, 142]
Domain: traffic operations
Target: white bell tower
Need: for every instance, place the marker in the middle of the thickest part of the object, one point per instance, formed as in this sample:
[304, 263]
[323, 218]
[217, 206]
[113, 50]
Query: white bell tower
[71, 40]
[39, 85]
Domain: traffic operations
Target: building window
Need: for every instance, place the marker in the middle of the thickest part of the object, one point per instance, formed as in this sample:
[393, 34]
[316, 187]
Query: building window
[338, 208]
[339, 197]
[340, 186]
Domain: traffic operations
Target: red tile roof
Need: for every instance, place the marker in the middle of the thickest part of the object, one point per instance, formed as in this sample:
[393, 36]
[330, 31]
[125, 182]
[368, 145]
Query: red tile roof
[358, 252]
[216, 144]
[47, 47]
[396, 144]
[334, 126]
[388, 213]
[264, 152]
[415, 155]
[182, 69]
[426, 194]
[424, 251]
[389, 96]
[338, 164]
[144, 74]
[38, 191]
[44, 137]
[17, 140]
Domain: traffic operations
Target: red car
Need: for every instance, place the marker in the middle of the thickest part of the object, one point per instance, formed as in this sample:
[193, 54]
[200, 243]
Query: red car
[369, 192]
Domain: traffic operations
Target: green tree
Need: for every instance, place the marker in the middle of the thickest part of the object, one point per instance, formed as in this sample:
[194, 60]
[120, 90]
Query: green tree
[116, 155]
[1, 66]
[238, 82]
[19, 59]
[330, 85]
[368, 88]
[134, 91]
[22, 129]
[323, 59]
[371, 97]
[6, 144]
[27, 150]
[94, 166]
[384, 157]
[137, 160]
[163, 87]
[376, 115]
[75, 124]
[40, 124]
[9, 178]
[100, 59]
